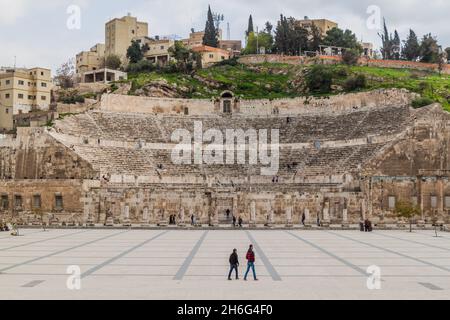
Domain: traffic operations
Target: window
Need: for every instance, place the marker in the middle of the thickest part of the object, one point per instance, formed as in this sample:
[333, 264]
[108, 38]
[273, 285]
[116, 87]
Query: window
[42, 73]
[433, 202]
[20, 95]
[21, 82]
[43, 98]
[8, 82]
[58, 201]
[7, 110]
[226, 106]
[211, 56]
[18, 201]
[447, 202]
[43, 84]
[391, 202]
[5, 202]
[7, 96]
[30, 97]
[37, 201]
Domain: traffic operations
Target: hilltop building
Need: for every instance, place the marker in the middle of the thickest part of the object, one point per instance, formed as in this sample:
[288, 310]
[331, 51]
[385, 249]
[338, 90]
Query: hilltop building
[119, 33]
[324, 25]
[195, 39]
[211, 55]
[21, 91]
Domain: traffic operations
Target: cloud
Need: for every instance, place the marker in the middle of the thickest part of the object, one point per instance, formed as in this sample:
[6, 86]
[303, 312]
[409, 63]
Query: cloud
[11, 10]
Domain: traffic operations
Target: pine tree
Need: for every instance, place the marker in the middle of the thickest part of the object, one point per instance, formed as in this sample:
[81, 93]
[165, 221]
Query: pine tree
[411, 48]
[211, 33]
[429, 49]
[250, 28]
[315, 38]
[396, 47]
[386, 48]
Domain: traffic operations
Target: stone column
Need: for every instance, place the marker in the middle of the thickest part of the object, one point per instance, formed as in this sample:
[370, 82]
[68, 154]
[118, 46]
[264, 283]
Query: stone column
[363, 209]
[253, 213]
[145, 216]
[182, 217]
[270, 214]
[441, 201]
[126, 216]
[288, 211]
[307, 217]
[326, 213]
[345, 213]
[162, 215]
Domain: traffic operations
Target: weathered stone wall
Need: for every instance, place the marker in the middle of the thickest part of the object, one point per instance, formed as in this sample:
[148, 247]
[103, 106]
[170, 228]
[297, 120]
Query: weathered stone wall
[334, 104]
[47, 190]
[296, 60]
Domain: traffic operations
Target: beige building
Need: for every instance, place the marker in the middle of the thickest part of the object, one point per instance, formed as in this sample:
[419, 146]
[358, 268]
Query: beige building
[22, 90]
[233, 46]
[211, 55]
[323, 24]
[119, 33]
[158, 49]
[368, 50]
[92, 59]
[196, 39]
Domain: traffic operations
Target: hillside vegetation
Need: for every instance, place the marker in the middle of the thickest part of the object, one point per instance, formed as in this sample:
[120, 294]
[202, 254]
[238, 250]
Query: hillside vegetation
[271, 81]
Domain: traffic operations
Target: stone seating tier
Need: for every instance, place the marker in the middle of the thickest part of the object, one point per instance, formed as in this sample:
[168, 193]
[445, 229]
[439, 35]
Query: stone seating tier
[296, 129]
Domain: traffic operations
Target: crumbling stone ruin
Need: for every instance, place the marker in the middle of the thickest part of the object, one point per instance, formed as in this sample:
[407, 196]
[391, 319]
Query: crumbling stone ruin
[341, 159]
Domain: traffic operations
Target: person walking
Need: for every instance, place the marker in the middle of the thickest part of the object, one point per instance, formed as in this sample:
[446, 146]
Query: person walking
[250, 263]
[234, 221]
[303, 219]
[234, 264]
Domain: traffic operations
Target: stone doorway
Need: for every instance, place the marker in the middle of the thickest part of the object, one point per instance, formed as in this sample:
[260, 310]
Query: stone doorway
[225, 210]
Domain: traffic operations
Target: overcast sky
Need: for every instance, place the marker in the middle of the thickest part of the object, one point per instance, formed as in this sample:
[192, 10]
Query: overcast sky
[36, 31]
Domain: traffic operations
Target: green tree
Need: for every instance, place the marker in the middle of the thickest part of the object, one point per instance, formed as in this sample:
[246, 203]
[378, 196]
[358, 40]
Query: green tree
[406, 210]
[351, 57]
[447, 51]
[318, 79]
[250, 28]
[211, 33]
[411, 47]
[429, 49]
[339, 38]
[134, 52]
[262, 40]
[113, 62]
[396, 46]
[290, 38]
[386, 43]
[186, 59]
[315, 38]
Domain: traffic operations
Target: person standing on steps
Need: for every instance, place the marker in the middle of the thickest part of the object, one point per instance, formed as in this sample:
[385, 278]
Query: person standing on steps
[234, 264]
[250, 263]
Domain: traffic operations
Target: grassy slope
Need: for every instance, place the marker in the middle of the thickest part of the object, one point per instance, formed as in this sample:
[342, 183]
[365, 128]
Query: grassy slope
[271, 81]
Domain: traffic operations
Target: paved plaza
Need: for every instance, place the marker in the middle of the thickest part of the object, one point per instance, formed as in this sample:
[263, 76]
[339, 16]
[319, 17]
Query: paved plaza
[176, 264]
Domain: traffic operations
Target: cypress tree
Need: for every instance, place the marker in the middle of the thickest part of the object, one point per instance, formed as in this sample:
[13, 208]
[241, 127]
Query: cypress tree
[411, 48]
[250, 28]
[211, 34]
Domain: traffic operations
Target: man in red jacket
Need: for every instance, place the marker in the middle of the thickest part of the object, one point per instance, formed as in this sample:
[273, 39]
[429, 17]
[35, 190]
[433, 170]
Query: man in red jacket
[251, 263]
